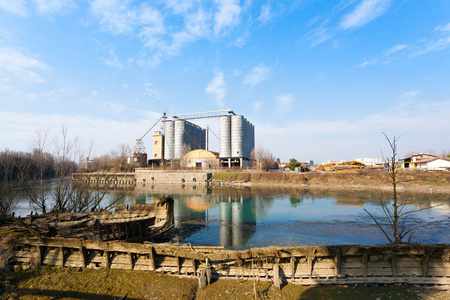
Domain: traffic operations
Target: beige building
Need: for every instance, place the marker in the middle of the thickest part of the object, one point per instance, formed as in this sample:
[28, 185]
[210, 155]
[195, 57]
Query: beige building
[157, 149]
[201, 159]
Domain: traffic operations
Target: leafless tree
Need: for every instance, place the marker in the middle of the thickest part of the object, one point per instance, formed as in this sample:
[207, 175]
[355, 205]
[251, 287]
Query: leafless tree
[13, 169]
[38, 190]
[262, 158]
[398, 229]
[120, 159]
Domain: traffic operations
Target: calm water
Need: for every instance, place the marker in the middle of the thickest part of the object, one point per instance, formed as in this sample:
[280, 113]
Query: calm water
[246, 218]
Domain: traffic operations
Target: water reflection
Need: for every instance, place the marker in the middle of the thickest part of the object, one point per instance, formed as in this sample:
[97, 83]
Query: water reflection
[246, 217]
[256, 217]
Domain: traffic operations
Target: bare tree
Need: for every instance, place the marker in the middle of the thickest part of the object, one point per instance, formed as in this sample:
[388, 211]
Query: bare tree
[13, 168]
[398, 227]
[66, 152]
[262, 158]
[120, 159]
[38, 190]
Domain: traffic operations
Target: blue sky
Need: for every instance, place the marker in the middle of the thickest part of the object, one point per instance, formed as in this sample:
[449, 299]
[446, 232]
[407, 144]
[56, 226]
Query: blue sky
[319, 79]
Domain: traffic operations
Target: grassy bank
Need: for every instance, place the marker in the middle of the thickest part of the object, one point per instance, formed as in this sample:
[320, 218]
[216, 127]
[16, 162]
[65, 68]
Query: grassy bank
[416, 180]
[64, 283]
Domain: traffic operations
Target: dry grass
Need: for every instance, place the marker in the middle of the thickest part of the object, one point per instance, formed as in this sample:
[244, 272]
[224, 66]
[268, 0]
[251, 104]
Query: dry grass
[64, 283]
[370, 178]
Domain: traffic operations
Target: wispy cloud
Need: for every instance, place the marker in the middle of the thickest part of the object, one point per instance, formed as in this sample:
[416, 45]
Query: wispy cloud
[19, 66]
[16, 7]
[284, 103]
[119, 17]
[217, 88]
[23, 7]
[365, 12]
[410, 94]
[227, 16]
[266, 13]
[55, 6]
[330, 139]
[396, 49]
[439, 40]
[113, 61]
[443, 28]
[257, 75]
[368, 63]
[432, 46]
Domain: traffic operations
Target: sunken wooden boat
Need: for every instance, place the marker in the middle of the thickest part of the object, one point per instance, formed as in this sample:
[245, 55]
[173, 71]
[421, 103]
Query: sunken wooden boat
[152, 222]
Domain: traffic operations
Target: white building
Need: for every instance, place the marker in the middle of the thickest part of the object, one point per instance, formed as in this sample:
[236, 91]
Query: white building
[372, 161]
[433, 164]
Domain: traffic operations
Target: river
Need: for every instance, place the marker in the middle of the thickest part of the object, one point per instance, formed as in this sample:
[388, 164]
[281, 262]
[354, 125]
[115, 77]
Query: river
[242, 218]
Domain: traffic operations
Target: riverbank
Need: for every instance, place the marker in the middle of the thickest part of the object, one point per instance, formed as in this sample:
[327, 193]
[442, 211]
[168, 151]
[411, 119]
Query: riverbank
[408, 181]
[109, 284]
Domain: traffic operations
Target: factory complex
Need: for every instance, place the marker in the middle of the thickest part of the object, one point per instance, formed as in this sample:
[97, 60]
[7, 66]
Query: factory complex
[181, 142]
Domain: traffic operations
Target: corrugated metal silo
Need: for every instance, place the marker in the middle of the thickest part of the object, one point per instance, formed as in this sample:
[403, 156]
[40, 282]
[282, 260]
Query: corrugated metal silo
[168, 139]
[236, 136]
[225, 137]
[178, 139]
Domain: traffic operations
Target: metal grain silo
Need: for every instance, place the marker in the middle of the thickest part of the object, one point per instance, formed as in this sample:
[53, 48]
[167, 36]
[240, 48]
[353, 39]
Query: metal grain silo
[178, 139]
[225, 137]
[168, 139]
[236, 136]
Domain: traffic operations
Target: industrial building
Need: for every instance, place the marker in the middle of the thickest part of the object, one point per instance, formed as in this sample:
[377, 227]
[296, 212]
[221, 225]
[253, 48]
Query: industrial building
[236, 141]
[179, 136]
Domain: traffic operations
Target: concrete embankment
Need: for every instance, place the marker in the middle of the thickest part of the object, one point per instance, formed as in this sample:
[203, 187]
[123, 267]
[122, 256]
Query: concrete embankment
[144, 177]
[306, 265]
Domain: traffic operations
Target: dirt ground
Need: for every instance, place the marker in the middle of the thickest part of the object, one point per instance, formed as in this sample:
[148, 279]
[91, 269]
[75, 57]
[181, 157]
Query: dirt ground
[106, 284]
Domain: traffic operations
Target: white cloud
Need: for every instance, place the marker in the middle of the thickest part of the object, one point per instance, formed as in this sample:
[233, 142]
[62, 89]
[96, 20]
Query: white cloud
[180, 6]
[116, 108]
[119, 17]
[431, 46]
[368, 63]
[443, 28]
[227, 16]
[54, 6]
[365, 12]
[284, 103]
[266, 13]
[410, 94]
[396, 49]
[113, 61]
[319, 35]
[20, 128]
[421, 126]
[257, 75]
[16, 7]
[18, 65]
[242, 40]
[217, 88]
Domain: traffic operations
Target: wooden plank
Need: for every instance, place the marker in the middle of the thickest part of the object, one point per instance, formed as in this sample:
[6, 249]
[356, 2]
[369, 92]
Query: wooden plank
[152, 259]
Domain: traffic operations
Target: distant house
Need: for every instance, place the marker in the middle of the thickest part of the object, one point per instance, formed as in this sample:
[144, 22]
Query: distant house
[425, 162]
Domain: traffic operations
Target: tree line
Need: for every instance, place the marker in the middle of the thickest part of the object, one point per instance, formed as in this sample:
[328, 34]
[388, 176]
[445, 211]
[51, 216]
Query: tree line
[43, 175]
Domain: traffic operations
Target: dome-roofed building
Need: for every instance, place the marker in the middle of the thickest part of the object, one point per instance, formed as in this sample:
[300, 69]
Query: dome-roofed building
[201, 159]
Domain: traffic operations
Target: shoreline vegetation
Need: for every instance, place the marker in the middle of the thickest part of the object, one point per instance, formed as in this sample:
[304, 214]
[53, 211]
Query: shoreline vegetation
[408, 181]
